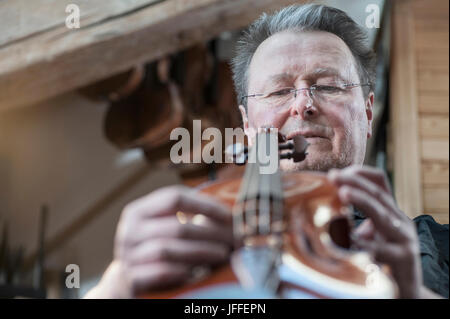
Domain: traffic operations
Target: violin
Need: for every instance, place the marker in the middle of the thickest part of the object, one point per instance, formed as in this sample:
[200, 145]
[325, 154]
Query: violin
[292, 235]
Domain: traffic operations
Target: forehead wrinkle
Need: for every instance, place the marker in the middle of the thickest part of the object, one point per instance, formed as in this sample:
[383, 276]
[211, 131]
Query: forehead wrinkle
[343, 57]
[323, 71]
[281, 76]
[309, 75]
[330, 55]
[278, 78]
[323, 67]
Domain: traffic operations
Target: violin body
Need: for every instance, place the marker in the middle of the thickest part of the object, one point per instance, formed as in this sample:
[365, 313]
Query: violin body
[316, 258]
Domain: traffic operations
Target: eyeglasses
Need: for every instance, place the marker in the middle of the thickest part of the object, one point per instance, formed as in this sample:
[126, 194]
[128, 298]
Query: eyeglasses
[324, 93]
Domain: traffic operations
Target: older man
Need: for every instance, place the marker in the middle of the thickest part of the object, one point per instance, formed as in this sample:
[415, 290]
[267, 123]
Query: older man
[304, 70]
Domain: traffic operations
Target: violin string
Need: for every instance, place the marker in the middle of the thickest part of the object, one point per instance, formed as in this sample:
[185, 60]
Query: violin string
[258, 193]
[277, 200]
[253, 194]
[239, 212]
[264, 196]
[278, 214]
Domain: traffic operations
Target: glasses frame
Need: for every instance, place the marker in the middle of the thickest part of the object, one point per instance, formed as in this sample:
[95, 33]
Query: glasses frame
[310, 90]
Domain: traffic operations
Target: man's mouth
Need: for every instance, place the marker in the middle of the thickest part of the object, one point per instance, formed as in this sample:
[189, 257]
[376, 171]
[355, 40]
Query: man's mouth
[308, 135]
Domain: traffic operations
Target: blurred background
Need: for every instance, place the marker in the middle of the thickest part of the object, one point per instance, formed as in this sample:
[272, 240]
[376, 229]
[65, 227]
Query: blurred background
[85, 116]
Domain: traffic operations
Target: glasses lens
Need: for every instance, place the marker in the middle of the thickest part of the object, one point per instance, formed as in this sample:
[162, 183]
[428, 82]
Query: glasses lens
[279, 97]
[284, 96]
[327, 92]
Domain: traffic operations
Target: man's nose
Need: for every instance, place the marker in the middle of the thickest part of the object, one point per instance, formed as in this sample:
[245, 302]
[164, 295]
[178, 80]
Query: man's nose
[303, 106]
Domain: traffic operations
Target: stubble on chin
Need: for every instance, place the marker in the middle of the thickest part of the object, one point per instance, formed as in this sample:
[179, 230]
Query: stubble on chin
[339, 158]
[323, 164]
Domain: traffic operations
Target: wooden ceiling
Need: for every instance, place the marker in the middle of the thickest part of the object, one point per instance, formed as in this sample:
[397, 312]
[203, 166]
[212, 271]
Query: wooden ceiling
[40, 57]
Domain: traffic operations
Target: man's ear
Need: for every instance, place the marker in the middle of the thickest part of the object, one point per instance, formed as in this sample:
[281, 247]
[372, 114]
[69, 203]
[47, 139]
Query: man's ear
[249, 131]
[244, 118]
[369, 113]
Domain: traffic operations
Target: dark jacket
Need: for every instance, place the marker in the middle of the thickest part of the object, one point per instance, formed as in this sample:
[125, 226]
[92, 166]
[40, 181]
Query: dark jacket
[434, 242]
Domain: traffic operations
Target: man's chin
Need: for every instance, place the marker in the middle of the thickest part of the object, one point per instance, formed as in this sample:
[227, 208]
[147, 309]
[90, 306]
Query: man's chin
[311, 163]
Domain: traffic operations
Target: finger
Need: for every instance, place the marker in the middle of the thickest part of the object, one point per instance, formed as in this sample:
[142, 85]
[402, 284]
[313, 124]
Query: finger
[198, 203]
[388, 225]
[382, 251]
[366, 185]
[157, 276]
[169, 200]
[170, 227]
[375, 175]
[192, 252]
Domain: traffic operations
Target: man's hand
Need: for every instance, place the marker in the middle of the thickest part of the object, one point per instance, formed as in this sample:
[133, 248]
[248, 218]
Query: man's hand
[153, 249]
[388, 233]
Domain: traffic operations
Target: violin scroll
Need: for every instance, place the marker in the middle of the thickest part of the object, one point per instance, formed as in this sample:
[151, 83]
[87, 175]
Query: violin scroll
[298, 146]
[238, 153]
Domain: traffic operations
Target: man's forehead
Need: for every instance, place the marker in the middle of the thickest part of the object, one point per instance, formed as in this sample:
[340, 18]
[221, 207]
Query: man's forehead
[315, 53]
[303, 42]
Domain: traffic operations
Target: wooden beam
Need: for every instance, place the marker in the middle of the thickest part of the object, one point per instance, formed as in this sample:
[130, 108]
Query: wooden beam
[404, 124]
[59, 60]
[21, 19]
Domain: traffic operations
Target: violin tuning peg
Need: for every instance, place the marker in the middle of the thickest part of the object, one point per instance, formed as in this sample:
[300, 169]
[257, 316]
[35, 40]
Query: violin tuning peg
[300, 144]
[281, 138]
[298, 147]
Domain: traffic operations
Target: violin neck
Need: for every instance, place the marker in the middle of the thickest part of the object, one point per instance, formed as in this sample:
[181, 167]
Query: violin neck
[258, 212]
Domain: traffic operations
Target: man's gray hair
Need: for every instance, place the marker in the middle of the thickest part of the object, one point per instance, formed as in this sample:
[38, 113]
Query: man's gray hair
[307, 17]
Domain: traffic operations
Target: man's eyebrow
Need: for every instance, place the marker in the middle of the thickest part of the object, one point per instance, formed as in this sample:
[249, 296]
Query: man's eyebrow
[280, 77]
[314, 74]
[318, 72]
[277, 78]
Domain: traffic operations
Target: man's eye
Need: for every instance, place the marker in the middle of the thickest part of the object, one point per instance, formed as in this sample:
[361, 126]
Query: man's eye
[327, 89]
[281, 92]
